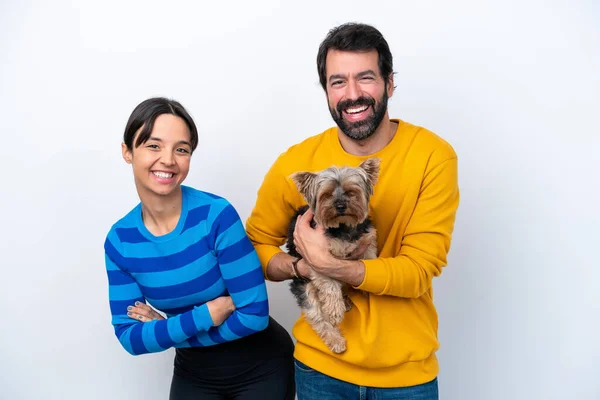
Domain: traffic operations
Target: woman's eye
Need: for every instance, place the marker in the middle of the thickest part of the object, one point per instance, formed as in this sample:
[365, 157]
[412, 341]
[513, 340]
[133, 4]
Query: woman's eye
[185, 151]
[152, 146]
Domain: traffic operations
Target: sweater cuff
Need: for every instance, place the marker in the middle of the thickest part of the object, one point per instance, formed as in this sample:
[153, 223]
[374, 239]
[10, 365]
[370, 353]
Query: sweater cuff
[376, 277]
[202, 318]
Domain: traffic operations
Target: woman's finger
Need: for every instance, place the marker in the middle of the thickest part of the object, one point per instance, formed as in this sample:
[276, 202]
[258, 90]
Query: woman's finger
[143, 312]
[136, 316]
[145, 309]
[140, 311]
[143, 306]
[143, 317]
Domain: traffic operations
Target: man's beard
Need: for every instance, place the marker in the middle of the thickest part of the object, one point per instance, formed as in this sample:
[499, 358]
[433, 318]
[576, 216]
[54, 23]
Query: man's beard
[360, 130]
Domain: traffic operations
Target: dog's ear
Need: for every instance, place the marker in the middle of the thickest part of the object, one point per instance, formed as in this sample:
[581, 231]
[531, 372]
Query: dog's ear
[305, 182]
[371, 167]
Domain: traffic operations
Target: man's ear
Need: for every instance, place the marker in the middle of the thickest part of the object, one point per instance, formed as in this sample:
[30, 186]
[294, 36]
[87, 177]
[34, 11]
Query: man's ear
[390, 85]
[304, 182]
[127, 155]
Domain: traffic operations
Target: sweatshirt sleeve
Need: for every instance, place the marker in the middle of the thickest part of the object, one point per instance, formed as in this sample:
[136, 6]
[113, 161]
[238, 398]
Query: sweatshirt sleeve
[146, 337]
[426, 242]
[267, 225]
[243, 277]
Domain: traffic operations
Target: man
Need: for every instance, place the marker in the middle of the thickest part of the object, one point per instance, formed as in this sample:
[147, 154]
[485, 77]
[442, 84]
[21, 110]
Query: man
[391, 333]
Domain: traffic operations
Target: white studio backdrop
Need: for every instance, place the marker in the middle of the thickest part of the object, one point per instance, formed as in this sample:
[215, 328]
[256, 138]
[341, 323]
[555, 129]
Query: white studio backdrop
[513, 86]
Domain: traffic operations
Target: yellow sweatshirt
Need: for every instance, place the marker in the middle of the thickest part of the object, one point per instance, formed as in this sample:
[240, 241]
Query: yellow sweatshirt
[391, 333]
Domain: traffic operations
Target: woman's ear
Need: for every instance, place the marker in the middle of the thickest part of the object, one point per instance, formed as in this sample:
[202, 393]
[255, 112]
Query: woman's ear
[127, 155]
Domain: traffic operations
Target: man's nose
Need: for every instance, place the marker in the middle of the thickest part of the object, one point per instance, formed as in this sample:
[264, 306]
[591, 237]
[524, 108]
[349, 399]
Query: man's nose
[352, 90]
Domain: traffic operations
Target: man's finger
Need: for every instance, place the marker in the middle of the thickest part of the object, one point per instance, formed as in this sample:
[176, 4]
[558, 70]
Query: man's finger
[298, 227]
[298, 248]
[299, 220]
[307, 217]
[309, 214]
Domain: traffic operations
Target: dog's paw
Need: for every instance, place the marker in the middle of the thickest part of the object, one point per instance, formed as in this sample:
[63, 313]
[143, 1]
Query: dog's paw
[338, 346]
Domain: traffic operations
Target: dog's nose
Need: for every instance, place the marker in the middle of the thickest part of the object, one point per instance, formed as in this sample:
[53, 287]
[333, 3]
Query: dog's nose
[340, 207]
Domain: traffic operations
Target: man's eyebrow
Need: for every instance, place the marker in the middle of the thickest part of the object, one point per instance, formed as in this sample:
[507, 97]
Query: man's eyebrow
[367, 72]
[358, 75]
[336, 76]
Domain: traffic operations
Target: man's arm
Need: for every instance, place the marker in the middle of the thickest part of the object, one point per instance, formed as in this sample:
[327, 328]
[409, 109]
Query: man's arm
[426, 241]
[349, 271]
[280, 267]
[268, 224]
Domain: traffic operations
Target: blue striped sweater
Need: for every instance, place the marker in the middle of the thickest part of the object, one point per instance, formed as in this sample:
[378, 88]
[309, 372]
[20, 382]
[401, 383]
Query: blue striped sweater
[206, 256]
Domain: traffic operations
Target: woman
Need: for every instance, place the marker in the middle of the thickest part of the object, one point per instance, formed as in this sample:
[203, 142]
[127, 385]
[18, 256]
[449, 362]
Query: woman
[186, 252]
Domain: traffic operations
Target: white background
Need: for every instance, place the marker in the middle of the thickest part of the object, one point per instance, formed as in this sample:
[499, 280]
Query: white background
[514, 86]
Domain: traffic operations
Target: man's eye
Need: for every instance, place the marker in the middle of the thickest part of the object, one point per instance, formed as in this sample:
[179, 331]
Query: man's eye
[182, 150]
[335, 83]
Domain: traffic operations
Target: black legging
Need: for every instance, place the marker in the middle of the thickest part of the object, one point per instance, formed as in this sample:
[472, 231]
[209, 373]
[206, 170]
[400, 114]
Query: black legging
[260, 366]
[274, 380]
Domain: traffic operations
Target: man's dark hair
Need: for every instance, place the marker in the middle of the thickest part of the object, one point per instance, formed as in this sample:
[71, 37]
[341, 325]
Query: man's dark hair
[358, 37]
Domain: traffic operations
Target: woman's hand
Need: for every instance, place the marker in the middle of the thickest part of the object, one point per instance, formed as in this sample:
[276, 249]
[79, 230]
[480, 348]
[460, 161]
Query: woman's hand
[143, 312]
[220, 309]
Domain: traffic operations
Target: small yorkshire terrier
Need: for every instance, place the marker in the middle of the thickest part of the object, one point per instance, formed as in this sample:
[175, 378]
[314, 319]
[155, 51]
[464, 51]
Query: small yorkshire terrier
[339, 198]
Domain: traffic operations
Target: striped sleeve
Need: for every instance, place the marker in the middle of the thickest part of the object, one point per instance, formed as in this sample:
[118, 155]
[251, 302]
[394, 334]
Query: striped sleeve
[146, 337]
[244, 280]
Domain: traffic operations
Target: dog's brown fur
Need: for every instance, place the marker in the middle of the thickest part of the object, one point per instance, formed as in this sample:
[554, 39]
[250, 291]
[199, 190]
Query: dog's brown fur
[339, 198]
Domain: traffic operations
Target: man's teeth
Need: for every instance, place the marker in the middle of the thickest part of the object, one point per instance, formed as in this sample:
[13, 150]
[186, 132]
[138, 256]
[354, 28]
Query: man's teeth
[356, 109]
[163, 174]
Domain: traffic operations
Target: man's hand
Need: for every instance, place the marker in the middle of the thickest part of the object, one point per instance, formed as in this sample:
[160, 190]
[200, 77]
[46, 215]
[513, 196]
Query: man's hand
[314, 248]
[312, 243]
[220, 309]
[143, 312]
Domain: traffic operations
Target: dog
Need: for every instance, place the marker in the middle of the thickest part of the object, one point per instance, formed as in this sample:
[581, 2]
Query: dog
[339, 198]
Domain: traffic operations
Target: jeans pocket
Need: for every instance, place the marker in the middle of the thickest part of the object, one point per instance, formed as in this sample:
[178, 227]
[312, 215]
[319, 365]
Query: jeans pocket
[303, 367]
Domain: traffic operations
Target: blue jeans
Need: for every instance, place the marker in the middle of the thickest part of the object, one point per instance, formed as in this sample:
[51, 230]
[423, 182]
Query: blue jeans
[313, 385]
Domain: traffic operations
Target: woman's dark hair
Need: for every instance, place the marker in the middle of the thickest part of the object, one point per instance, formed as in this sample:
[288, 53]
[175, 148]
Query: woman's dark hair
[354, 36]
[146, 113]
